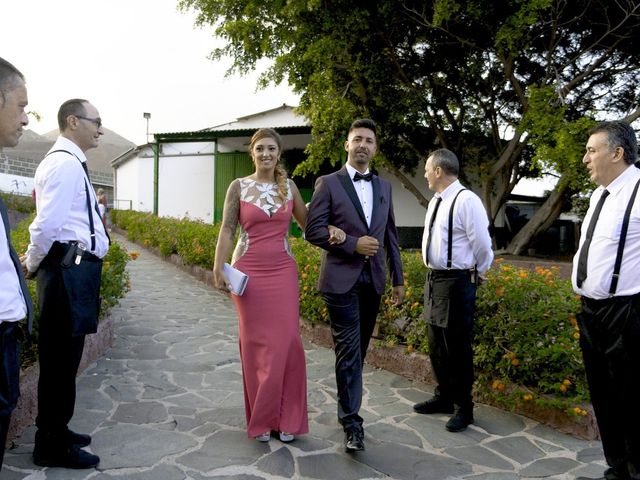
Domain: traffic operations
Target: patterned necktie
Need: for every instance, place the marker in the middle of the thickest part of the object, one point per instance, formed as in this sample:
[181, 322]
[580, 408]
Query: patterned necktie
[431, 222]
[359, 176]
[584, 251]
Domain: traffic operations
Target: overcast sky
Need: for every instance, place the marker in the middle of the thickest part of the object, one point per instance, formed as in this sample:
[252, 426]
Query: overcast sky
[126, 57]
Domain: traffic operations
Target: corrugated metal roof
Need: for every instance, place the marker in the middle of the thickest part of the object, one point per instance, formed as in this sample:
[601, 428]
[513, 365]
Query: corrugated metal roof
[207, 135]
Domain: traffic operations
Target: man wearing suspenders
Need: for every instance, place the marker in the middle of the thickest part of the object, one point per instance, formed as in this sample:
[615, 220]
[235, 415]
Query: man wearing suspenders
[68, 241]
[456, 247]
[606, 273]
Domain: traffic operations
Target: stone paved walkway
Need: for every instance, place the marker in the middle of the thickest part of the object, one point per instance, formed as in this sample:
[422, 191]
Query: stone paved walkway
[166, 403]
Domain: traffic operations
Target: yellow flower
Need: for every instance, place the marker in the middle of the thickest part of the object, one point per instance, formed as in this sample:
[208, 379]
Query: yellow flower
[527, 397]
[576, 335]
[566, 382]
[500, 290]
[409, 348]
[515, 362]
[563, 388]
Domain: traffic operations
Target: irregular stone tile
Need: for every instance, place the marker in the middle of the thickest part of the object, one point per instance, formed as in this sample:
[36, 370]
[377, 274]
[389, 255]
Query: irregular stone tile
[224, 448]
[279, 463]
[493, 476]
[123, 393]
[156, 351]
[11, 474]
[333, 466]
[92, 400]
[591, 470]
[547, 467]
[140, 413]
[477, 454]
[591, 454]
[390, 434]
[517, 448]
[431, 427]
[497, 422]
[546, 446]
[227, 477]
[310, 443]
[399, 461]
[127, 445]
[558, 438]
[228, 416]
[137, 331]
[161, 472]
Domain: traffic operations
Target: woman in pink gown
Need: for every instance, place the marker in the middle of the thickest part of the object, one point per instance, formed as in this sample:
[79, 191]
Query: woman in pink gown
[273, 363]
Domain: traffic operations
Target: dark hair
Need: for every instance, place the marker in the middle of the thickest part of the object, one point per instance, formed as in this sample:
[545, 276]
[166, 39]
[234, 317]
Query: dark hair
[280, 174]
[8, 75]
[620, 134]
[75, 106]
[363, 123]
[446, 160]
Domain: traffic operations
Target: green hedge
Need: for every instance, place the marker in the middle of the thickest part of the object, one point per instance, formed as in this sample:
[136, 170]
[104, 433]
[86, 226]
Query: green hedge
[115, 283]
[526, 348]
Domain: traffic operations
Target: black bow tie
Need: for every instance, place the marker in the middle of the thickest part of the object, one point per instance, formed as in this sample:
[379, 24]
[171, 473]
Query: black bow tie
[366, 177]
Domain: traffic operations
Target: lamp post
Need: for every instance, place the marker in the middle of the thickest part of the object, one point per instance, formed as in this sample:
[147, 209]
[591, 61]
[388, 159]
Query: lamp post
[147, 115]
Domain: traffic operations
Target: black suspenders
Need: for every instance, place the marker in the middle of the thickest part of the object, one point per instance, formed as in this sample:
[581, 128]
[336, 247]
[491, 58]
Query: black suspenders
[450, 236]
[89, 209]
[622, 241]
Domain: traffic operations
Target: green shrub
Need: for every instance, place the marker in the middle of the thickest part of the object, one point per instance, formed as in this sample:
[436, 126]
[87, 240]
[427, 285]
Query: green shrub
[18, 203]
[115, 283]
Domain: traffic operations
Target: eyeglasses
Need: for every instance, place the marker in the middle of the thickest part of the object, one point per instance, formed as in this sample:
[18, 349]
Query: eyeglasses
[96, 121]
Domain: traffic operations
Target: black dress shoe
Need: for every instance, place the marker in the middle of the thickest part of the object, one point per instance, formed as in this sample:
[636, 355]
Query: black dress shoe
[70, 457]
[78, 439]
[435, 405]
[353, 441]
[459, 422]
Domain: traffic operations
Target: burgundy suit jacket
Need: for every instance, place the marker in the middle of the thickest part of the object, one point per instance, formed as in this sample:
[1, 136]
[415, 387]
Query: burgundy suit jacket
[335, 202]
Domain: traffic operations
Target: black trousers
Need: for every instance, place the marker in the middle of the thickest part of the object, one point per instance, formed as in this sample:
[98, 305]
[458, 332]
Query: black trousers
[353, 317]
[9, 377]
[452, 295]
[610, 342]
[59, 352]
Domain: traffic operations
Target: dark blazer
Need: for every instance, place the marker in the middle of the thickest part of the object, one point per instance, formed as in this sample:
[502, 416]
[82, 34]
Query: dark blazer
[16, 263]
[335, 202]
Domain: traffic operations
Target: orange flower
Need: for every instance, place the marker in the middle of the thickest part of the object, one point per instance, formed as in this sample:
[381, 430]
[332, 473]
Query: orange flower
[134, 254]
[527, 397]
[515, 362]
[563, 388]
[409, 348]
[523, 274]
[500, 290]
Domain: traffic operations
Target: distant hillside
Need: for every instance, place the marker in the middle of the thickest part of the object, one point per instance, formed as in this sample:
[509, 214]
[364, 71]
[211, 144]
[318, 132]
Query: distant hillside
[35, 146]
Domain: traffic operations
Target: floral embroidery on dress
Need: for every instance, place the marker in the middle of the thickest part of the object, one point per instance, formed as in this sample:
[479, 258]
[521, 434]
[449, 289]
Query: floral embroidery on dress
[262, 195]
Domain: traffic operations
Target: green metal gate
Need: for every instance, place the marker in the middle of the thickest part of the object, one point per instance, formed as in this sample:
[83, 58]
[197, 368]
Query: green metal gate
[228, 167]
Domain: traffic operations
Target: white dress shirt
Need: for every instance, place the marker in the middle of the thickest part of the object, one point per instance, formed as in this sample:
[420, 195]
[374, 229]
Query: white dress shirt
[604, 243]
[364, 190]
[471, 239]
[61, 204]
[12, 304]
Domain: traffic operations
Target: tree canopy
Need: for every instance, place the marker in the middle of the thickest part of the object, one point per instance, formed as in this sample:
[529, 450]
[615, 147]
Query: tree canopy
[511, 86]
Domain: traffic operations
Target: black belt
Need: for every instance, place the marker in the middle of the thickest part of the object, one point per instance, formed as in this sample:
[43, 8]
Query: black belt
[451, 272]
[59, 249]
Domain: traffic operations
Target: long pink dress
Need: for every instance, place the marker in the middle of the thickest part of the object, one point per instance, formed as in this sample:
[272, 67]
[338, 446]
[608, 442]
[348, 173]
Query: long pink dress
[273, 363]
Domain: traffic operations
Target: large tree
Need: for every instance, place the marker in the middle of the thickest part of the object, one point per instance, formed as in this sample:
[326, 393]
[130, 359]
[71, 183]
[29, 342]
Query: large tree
[512, 86]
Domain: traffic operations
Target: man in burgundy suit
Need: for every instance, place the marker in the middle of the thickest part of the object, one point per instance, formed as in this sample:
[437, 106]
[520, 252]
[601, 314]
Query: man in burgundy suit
[353, 273]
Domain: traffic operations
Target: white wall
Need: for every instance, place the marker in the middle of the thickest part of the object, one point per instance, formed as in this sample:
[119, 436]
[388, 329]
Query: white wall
[16, 184]
[134, 183]
[408, 212]
[186, 186]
